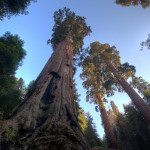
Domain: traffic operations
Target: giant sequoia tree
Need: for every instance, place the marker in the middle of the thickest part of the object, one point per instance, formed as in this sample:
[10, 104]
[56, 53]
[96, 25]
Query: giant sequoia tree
[46, 119]
[109, 56]
[97, 81]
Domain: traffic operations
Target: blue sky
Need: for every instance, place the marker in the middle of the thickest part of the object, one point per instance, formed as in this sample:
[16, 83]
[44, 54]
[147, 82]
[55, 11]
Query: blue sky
[124, 27]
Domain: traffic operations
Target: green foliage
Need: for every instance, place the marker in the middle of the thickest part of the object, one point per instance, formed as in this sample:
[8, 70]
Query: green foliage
[146, 43]
[11, 55]
[75, 91]
[30, 85]
[10, 133]
[9, 101]
[97, 77]
[66, 22]
[90, 133]
[130, 128]
[6, 82]
[79, 112]
[126, 70]
[81, 117]
[87, 126]
[138, 126]
[143, 3]
[146, 94]
[142, 86]
[13, 138]
[103, 52]
[121, 128]
[13, 7]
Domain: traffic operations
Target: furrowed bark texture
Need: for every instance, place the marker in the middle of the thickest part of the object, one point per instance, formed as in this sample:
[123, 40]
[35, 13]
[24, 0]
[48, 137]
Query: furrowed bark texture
[137, 100]
[47, 119]
[112, 143]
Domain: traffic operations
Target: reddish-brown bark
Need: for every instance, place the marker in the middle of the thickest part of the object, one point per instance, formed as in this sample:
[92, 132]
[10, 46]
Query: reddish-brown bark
[137, 100]
[46, 119]
[112, 142]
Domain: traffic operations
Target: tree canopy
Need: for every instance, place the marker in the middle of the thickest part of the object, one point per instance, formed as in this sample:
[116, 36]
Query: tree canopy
[143, 3]
[97, 76]
[13, 7]
[68, 22]
[142, 86]
[146, 43]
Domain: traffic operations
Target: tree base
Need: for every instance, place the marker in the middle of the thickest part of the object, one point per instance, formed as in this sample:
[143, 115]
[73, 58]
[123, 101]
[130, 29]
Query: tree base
[51, 137]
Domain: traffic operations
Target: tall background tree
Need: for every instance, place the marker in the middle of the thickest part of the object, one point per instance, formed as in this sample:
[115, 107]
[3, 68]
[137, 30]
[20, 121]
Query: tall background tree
[79, 111]
[11, 56]
[86, 123]
[130, 128]
[95, 79]
[90, 133]
[99, 81]
[9, 8]
[109, 56]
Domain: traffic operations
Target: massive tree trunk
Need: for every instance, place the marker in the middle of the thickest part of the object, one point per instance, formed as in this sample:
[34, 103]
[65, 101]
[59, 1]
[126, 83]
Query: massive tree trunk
[137, 100]
[46, 119]
[112, 143]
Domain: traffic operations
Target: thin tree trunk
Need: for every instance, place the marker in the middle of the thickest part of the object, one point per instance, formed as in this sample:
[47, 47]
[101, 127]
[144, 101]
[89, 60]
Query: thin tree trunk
[137, 100]
[112, 143]
[18, 84]
[46, 120]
